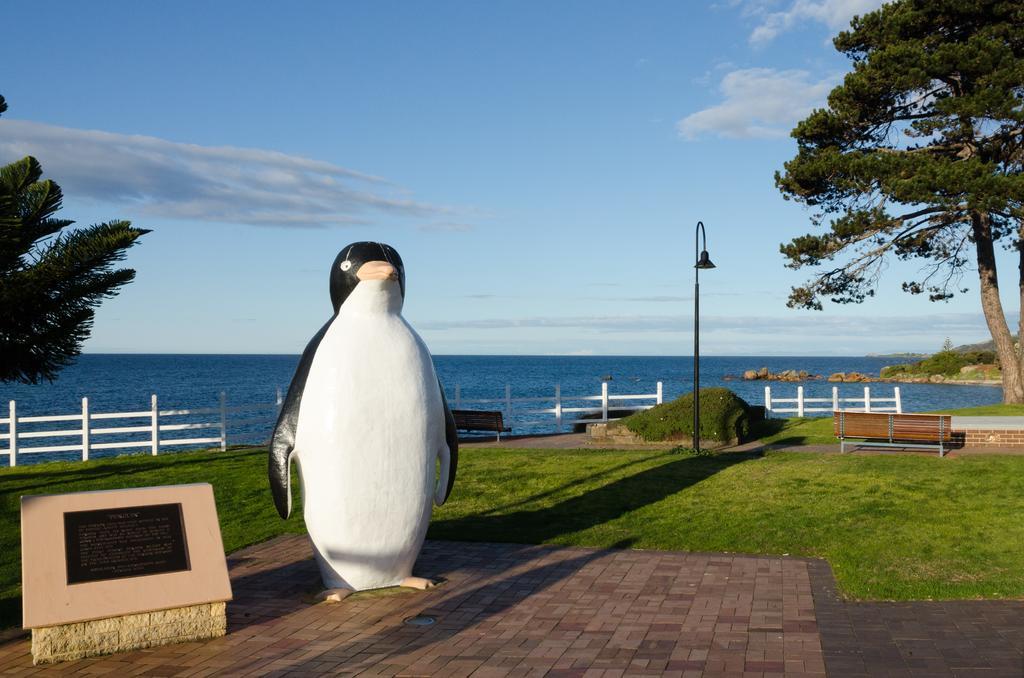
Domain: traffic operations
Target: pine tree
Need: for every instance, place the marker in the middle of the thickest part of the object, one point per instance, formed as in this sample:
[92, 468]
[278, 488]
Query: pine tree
[919, 154]
[50, 280]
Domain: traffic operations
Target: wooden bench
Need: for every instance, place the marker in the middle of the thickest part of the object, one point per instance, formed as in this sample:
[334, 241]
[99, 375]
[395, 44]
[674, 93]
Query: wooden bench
[480, 420]
[931, 431]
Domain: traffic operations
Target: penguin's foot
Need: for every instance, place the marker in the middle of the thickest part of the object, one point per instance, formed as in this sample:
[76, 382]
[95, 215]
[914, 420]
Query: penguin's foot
[418, 583]
[335, 595]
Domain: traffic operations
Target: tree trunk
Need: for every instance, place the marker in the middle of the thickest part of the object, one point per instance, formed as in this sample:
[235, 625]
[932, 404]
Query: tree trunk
[992, 306]
[1020, 290]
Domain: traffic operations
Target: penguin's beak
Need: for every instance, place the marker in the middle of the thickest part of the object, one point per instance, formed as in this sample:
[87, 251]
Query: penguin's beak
[377, 270]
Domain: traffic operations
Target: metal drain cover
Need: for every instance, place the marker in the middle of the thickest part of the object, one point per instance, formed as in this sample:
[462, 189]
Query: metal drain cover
[420, 620]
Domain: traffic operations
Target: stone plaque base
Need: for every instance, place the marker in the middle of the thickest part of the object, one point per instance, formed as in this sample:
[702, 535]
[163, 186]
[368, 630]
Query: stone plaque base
[65, 642]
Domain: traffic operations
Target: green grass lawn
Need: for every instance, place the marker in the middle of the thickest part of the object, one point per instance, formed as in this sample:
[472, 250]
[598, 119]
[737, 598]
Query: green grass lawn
[795, 431]
[997, 410]
[893, 527]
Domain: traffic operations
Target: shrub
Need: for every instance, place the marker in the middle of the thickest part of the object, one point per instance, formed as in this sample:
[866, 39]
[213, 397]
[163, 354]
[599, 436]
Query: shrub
[724, 417]
[893, 370]
[947, 363]
[980, 357]
[943, 362]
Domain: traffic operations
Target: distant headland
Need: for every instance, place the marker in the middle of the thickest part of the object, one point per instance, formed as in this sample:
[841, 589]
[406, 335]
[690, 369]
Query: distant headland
[969, 364]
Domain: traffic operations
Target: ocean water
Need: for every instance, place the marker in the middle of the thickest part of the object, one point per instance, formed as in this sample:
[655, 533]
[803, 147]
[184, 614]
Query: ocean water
[121, 383]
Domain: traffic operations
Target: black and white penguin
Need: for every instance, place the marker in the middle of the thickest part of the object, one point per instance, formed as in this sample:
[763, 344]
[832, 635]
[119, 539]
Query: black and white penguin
[367, 422]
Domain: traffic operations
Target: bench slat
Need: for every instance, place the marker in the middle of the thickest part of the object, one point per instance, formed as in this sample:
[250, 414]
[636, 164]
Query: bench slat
[893, 428]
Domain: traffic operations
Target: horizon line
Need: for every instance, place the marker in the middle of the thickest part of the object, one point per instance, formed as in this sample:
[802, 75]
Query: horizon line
[543, 355]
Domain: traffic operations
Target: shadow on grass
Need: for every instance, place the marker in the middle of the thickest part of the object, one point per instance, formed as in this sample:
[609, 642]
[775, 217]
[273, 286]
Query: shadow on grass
[39, 476]
[561, 488]
[10, 613]
[590, 509]
[769, 428]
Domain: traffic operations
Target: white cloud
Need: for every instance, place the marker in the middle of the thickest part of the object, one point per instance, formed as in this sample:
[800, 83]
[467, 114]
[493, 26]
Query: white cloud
[842, 332]
[790, 323]
[152, 177]
[758, 103]
[836, 14]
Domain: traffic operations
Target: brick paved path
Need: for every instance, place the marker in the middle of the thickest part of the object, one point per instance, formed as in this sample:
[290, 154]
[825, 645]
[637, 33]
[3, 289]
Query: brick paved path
[508, 610]
[504, 610]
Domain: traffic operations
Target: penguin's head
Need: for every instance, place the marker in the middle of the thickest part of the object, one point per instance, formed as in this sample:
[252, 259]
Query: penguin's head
[364, 261]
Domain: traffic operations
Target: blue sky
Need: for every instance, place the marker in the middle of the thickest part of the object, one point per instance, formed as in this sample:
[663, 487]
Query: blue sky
[539, 166]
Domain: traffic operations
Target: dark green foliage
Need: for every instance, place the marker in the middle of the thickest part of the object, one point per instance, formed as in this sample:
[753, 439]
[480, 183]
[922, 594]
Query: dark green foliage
[50, 281]
[724, 417]
[947, 363]
[893, 370]
[919, 152]
[980, 358]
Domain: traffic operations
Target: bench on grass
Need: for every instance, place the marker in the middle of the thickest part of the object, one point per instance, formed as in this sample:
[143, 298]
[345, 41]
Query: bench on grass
[480, 420]
[931, 431]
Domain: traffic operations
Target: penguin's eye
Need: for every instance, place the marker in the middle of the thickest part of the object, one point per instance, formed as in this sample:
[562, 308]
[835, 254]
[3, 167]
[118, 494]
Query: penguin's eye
[345, 265]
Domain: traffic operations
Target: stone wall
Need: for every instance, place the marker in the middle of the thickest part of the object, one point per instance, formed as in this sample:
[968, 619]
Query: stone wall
[603, 434]
[130, 632]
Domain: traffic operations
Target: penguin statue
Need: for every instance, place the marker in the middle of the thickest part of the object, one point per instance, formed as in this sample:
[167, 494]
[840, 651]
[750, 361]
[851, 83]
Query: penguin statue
[367, 423]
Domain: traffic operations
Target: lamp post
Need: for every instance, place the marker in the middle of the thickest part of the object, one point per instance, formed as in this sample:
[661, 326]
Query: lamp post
[703, 262]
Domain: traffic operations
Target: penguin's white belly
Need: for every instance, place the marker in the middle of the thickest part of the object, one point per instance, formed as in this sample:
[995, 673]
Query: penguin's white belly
[370, 426]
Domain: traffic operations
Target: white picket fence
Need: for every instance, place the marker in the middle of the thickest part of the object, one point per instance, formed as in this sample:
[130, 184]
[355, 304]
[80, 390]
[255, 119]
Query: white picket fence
[559, 408]
[867, 402]
[88, 437]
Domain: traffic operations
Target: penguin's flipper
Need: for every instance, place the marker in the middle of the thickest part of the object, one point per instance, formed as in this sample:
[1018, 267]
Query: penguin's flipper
[282, 442]
[452, 438]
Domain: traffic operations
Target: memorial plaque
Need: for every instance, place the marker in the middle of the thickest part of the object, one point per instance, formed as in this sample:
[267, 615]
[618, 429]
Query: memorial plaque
[120, 553]
[124, 542]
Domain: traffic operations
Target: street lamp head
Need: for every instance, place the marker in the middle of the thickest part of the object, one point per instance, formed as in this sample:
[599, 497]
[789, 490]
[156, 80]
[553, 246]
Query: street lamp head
[703, 261]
